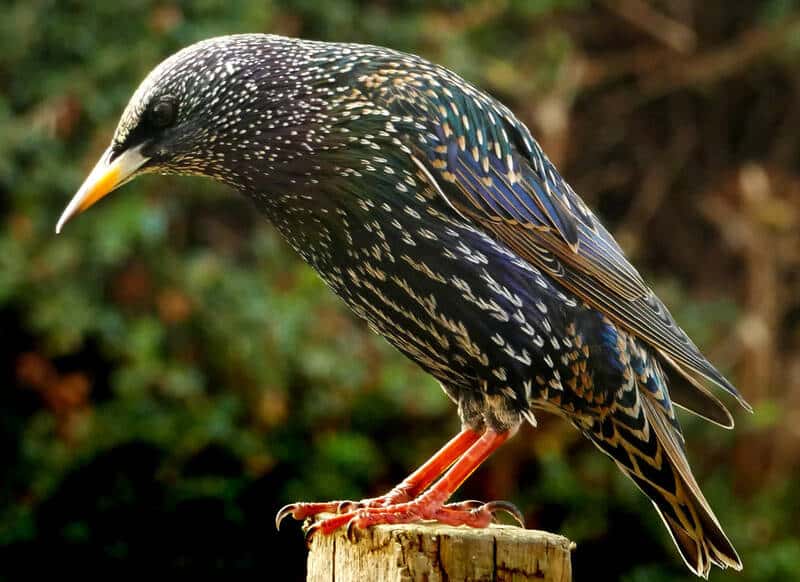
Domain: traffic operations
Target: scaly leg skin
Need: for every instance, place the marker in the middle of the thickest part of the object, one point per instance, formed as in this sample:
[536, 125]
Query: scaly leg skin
[430, 505]
[411, 487]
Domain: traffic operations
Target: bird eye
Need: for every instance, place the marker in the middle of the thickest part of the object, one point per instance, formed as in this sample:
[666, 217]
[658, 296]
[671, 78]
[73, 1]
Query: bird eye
[163, 112]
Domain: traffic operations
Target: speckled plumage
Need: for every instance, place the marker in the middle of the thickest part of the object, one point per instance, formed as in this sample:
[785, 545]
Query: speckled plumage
[431, 210]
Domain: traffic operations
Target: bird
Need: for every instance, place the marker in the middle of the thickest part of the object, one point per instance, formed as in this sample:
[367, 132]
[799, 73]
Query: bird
[430, 209]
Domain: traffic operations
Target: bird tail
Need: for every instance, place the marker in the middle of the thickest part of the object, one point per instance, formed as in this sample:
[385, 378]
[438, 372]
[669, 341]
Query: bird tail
[652, 455]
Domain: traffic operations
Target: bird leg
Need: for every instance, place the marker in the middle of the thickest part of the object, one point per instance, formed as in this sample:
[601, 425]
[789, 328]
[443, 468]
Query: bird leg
[411, 487]
[431, 504]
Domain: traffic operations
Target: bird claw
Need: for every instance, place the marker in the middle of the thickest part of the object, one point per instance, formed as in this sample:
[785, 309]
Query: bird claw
[469, 504]
[476, 508]
[310, 531]
[350, 532]
[348, 506]
[284, 512]
[300, 511]
[356, 515]
[506, 507]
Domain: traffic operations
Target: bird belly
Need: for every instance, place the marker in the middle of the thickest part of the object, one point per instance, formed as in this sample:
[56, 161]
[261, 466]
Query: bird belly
[499, 335]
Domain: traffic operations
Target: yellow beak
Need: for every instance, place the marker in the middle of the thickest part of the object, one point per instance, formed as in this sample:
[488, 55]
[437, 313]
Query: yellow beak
[104, 178]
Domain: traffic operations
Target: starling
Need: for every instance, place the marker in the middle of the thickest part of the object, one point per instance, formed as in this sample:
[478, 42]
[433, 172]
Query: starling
[431, 210]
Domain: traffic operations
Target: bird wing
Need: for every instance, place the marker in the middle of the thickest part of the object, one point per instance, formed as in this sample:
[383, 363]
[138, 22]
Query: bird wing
[490, 170]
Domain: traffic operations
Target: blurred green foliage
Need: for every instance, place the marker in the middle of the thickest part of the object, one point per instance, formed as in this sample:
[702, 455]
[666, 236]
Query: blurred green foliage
[173, 374]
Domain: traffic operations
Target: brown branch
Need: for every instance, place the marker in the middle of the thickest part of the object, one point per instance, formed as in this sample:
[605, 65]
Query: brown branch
[656, 183]
[661, 71]
[668, 31]
[718, 64]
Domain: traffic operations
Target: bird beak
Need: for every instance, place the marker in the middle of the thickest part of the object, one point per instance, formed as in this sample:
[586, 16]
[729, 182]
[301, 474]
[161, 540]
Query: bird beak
[106, 177]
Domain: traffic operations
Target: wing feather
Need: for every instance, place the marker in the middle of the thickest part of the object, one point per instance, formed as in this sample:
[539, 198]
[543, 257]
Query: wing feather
[505, 184]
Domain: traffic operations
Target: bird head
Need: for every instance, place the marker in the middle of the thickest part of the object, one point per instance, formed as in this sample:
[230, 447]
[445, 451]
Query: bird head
[228, 108]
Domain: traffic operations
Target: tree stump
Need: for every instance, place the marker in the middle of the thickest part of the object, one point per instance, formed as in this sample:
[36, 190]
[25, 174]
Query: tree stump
[433, 552]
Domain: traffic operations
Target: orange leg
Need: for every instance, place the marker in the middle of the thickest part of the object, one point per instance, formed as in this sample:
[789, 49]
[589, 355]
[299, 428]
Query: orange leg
[431, 504]
[411, 487]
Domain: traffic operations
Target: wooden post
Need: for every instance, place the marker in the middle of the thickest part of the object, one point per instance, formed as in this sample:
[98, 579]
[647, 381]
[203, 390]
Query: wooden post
[432, 552]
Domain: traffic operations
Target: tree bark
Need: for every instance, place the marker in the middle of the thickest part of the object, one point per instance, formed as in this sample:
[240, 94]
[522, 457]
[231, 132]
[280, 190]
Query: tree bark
[432, 552]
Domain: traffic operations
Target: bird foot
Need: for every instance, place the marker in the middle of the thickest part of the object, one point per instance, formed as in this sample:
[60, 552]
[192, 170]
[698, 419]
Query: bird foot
[407, 503]
[302, 510]
[374, 512]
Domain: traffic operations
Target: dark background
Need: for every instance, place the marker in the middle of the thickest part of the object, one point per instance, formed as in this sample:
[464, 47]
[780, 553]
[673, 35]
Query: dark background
[172, 374]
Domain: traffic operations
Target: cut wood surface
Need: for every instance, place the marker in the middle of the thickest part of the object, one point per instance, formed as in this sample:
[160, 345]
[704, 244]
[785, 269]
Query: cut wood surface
[432, 552]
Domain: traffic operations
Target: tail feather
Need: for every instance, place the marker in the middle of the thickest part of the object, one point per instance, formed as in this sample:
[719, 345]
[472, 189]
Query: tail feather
[648, 448]
[697, 532]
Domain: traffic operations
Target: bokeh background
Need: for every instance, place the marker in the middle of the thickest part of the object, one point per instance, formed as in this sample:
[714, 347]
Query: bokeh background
[171, 374]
